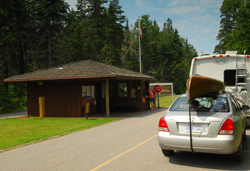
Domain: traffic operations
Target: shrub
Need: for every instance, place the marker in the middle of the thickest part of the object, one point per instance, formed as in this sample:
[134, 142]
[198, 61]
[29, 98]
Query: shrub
[14, 99]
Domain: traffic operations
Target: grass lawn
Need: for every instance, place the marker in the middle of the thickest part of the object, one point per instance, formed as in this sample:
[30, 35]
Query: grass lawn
[165, 101]
[14, 132]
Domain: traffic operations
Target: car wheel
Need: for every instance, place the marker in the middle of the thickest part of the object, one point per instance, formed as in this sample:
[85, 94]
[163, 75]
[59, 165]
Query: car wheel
[244, 135]
[168, 152]
[238, 156]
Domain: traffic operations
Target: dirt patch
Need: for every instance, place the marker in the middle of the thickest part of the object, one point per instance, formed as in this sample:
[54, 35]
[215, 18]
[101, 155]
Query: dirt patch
[21, 117]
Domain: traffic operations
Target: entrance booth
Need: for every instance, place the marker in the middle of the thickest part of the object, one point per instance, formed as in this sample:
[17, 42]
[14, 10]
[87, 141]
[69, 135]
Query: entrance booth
[84, 88]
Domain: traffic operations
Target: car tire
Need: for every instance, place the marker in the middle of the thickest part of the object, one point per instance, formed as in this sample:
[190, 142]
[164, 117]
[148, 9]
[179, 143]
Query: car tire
[244, 135]
[168, 152]
[238, 156]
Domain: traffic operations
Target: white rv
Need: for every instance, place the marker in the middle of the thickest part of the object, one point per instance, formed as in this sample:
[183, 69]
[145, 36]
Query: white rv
[231, 68]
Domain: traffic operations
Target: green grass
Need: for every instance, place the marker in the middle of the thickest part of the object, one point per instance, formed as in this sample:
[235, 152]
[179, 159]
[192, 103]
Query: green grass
[14, 132]
[165, 101]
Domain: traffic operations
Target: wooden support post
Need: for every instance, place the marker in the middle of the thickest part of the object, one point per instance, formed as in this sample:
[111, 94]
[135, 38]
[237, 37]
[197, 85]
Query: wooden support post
[107, 97]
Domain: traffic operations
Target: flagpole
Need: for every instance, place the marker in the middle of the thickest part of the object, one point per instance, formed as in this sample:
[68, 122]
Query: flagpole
[139, 45]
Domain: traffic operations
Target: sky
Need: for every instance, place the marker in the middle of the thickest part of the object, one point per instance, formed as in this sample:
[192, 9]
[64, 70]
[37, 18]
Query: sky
[196, 20]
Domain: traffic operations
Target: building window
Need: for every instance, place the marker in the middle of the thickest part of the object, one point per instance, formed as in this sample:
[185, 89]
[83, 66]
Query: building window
[112, 89]
[133, 89]
[122, 90]
[88, 91]
[229, 77]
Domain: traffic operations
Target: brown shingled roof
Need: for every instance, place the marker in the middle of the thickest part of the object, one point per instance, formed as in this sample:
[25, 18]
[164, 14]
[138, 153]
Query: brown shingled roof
[79, 70]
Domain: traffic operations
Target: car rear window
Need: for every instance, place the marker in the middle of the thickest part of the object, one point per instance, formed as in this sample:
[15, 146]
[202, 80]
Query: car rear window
[181, 104]
[202, 104]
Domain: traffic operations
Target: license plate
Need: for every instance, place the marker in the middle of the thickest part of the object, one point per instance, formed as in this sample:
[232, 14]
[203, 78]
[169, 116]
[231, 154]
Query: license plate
[196, 128]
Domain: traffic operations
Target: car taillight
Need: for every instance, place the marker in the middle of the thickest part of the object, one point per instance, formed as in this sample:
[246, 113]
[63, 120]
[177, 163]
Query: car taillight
[227, 128]
[163, 125]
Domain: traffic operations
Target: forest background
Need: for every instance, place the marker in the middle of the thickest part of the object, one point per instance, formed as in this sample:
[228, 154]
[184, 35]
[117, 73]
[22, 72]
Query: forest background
[38, 34]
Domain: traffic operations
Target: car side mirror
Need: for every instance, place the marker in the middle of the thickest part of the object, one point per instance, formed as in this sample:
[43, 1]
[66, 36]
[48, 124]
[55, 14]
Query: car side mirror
[245, 107]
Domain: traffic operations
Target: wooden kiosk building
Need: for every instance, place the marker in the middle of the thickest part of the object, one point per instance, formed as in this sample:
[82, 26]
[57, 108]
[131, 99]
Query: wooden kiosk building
[84, 87]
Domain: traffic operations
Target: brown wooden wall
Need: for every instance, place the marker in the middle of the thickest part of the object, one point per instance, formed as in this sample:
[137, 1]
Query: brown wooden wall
[62, 99]
[32, 96]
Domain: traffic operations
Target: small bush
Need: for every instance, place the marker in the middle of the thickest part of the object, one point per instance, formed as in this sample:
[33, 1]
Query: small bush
[14, 99]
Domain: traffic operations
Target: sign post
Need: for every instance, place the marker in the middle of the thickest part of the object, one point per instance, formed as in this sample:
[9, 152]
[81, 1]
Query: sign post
[157, 89]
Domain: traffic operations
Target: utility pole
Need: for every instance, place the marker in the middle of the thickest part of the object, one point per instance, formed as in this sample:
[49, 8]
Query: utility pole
[139, 42]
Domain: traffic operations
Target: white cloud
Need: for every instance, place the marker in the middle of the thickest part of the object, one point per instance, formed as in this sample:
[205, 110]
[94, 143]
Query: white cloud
[178, 2]
[183, 10]
[152, 9]
[211, 3]
[147, 5]
[206, 3]
[139, 3]
[206, 24]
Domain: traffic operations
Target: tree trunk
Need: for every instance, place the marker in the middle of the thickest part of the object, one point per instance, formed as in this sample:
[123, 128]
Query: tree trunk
[22, 56]
[49, 46]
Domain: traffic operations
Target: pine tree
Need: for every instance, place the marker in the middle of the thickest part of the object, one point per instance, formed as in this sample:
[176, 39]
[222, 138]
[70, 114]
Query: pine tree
[226, 27]
[240, 35]
[70, 47]
[114, 36]
[93, 28]
[49, 17]
[80, 32]
[129, 56]
[14, 18]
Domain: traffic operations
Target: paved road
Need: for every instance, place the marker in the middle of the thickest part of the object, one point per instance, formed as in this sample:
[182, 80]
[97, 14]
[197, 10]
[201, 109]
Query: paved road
[128, 144]
[14, 115]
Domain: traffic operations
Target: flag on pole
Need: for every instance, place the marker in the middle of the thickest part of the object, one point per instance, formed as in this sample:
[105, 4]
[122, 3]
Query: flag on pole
[140, 29]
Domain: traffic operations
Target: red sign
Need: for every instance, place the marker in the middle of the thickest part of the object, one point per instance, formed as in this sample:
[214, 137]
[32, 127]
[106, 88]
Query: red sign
[157, 88]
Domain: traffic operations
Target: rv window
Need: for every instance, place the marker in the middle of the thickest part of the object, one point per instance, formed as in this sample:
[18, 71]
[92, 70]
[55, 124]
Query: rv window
[229, 77]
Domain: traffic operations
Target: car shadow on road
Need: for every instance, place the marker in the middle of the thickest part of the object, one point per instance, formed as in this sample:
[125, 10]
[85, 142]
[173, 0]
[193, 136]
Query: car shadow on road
[213, 161]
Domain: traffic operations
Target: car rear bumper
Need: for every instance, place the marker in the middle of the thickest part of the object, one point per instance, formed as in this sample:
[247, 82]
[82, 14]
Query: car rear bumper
[221, 144]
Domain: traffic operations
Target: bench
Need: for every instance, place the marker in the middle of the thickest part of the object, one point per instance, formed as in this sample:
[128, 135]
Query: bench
[126, 104]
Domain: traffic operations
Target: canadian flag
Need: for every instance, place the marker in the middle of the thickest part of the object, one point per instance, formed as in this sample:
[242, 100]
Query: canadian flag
[140, 29]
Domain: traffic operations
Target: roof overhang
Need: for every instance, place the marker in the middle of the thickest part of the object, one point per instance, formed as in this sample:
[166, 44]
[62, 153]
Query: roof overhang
[59, 78]
[77, 78]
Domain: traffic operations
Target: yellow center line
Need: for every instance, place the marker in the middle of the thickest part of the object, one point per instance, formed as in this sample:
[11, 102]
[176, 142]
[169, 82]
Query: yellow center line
[109, 161]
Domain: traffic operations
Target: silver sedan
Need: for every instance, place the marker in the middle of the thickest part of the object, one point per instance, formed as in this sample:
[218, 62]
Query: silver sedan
[217, 126]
